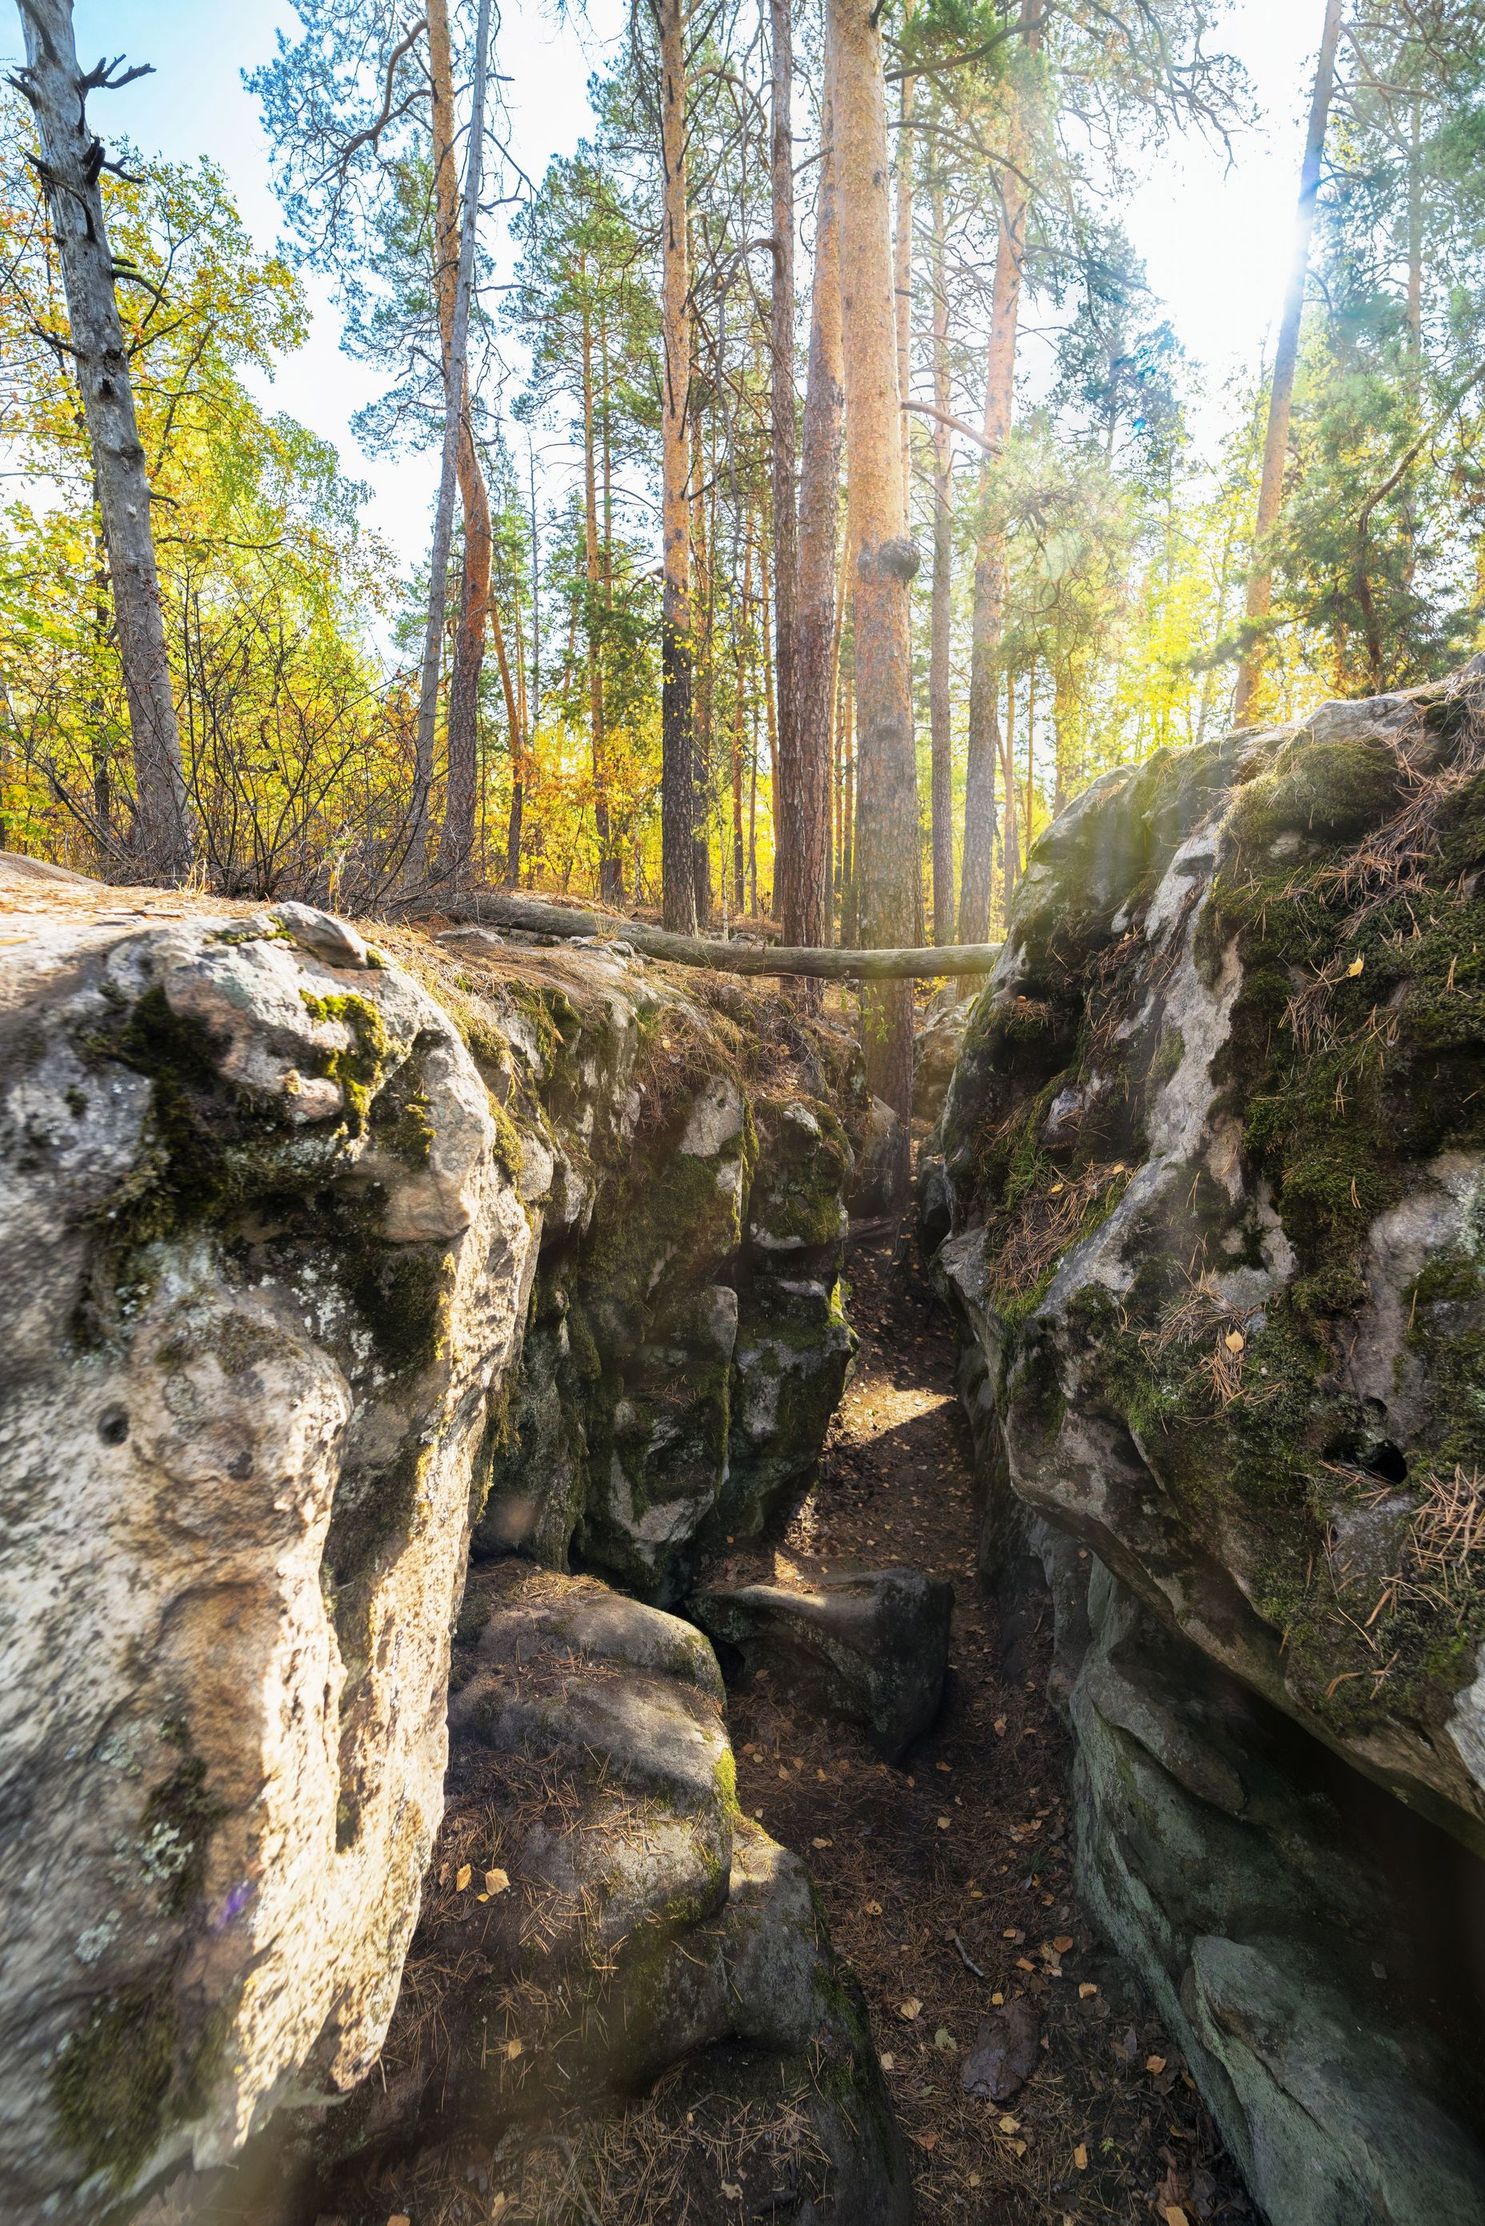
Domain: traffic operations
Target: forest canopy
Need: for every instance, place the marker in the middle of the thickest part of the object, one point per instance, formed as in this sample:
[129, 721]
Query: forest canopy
[887, 510]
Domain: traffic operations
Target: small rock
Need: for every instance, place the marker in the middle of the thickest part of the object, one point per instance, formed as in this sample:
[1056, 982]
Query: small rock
[871, 1645]
[322, 936]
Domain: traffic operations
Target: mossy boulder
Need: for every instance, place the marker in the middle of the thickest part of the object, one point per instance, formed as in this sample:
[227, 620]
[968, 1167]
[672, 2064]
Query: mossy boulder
[1210, 1206]
[1216, 1156]
[261, 1270]
[688, 1343]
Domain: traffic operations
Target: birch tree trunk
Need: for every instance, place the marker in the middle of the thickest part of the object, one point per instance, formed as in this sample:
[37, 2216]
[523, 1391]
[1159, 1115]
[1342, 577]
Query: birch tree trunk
[677, 776]
[805, 910]
[72, 160]
[1281, 393]
[887, 808]
[977, 864]
[940, 710]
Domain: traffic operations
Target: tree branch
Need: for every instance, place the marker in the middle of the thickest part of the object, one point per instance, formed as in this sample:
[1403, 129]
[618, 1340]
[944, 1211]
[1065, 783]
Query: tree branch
[490, 911]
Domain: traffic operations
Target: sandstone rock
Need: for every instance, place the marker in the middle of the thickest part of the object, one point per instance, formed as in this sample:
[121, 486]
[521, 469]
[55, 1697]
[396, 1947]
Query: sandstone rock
[1212, 1167]
[1222, 1257]
[870, 1645]
[260, 1278]
[270, 1221]
[688, 1342]
[1303, 1946]
[936, 1050]
[638, 1920]
[877, 1156]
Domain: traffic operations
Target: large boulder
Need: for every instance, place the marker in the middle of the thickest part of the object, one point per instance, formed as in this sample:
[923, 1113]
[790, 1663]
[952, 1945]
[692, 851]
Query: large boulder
[868, 1645]
[601, 1912]
[273, 1204]
[688, 1341]
[1213, 1173]
[261, 1266]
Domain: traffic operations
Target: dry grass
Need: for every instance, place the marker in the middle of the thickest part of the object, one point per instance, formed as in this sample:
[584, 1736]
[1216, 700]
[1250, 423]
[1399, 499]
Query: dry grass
[1048, 1221]
[1202, 1319]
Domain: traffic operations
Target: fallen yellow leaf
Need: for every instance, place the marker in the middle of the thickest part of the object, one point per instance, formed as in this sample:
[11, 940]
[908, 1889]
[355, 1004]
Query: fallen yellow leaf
[1080, 2157]
[466, 1872]
[887, 2060]
[1087, 1991]
[1155, 2064]
[822, 1843]
[910, 2009]
[1357, 966]
[1063, 1942]
[1235, 1341]
[496, 1881]
[926, 2140]
[944, 1822]
[1175, 2216]
[513, 2049]
[1010, 2125]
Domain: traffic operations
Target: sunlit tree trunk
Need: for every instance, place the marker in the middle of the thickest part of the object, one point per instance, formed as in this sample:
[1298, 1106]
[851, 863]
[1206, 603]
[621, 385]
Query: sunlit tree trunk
[1281, 393]
[977, 864]
[788, 861]
[677, 779]
[450, 222]
[940, 710]
[902, 256]
[610, 868]
[805, 806]
[71, 163]
[885, 559]
[703, 485]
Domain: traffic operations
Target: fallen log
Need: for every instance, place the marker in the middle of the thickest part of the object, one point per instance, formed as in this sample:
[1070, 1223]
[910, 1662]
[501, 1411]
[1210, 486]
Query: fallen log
[498, 909]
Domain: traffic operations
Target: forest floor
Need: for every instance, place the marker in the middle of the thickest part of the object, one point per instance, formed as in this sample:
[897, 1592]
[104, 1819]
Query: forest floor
[962, 1856]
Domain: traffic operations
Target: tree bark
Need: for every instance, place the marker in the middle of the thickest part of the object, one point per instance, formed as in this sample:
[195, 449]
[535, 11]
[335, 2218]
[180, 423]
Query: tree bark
[805, 802]
[902, 254]
[610, 873]
[486, 913]
[1281, 393]
[451, 222]
[677, 775]
[789, 862]
[940, 708]
[977, 864]
[703, 675]
[887, 822]
[71, 164]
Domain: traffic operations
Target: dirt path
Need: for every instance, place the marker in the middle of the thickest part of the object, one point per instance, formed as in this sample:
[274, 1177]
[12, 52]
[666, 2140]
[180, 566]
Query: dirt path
[962, 1857]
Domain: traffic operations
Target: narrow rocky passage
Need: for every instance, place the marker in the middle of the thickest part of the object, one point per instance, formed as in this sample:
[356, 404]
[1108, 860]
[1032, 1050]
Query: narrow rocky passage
[947, 1881]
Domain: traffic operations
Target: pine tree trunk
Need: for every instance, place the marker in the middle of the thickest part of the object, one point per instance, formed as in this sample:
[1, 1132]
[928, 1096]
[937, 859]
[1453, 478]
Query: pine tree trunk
[703, 689]
[887, 824]
[977, 864]
[805, 910]
[1286, 358]
[677, 776]
[71, 161]
[609, 881]
[789, 863]
[450, 223]
[940, 709]
[902, 256]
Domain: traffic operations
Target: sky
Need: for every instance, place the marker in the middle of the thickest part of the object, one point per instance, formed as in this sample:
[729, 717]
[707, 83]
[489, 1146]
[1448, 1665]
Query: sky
[1215, 237]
